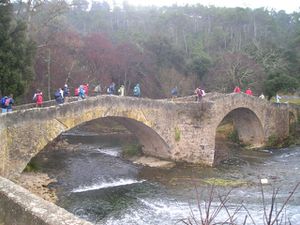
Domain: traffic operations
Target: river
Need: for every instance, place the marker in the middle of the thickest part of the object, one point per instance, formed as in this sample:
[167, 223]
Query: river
[97, 184]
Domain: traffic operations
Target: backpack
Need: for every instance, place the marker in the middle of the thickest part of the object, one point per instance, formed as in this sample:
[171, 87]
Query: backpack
[66, 91]
[174, 91]
[135, 90]
[57, 94]
[7, 101]
[39, 98]
[3, 100]
[76, 91]
[199, 92]
[203, 92]
[81, 92]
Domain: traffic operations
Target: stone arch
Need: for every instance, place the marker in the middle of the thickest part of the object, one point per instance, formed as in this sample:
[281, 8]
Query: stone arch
[249, 129]
[152, 143]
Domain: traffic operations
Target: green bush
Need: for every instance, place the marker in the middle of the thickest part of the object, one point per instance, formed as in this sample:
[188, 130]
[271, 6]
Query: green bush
[273, 141]
[234, 136]
[130, 150]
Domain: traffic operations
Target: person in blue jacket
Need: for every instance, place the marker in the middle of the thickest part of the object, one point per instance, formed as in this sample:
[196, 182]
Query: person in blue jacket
[137, 91]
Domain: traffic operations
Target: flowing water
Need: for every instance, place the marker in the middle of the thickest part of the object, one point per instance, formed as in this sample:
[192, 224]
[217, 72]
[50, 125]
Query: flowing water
[96, 184]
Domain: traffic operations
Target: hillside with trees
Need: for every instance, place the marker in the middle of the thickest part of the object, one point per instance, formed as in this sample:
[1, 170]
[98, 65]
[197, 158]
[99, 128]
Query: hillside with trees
[183, 46]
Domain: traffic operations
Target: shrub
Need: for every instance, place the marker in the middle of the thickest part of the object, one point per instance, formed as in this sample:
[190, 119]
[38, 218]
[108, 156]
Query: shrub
[273, 141]
[234, 137]
[130, 150]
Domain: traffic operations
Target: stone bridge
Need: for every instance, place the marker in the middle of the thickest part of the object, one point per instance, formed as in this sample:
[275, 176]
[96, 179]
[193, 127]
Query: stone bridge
[180, 130]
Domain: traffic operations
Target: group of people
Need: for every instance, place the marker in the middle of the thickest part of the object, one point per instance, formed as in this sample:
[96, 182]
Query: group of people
[61, 94]
[6, 103]
[111, 90]
[237, 89]
[249, 92]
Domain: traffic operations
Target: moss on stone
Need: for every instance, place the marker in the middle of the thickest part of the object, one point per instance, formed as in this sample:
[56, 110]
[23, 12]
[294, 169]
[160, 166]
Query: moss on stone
[177, 134]
[224, 182]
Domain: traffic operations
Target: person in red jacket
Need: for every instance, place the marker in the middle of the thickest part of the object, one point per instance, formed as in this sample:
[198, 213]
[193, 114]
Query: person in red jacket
[248, 92]
[38, 98]
[237, 89]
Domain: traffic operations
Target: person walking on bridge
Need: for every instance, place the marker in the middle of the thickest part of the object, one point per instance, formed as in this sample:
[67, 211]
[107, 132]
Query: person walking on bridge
[121, 90]
[199, 93]
[237, 89]
[81, 92]
[137, 91]
[248, 91]
[6, 104]
[174, 92]
[38, 98]
[66, 93]
[58, 95]
[277, 97]
[97, 89]
[10, 102]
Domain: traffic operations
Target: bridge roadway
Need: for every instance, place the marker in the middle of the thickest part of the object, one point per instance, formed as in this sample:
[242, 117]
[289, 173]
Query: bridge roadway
[180, 130]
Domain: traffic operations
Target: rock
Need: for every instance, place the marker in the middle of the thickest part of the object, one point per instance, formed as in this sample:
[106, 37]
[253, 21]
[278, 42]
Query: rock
[38, 183]
[154, 162]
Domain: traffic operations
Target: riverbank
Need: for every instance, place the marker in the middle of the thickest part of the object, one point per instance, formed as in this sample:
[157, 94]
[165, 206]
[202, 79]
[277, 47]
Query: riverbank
[38, 183]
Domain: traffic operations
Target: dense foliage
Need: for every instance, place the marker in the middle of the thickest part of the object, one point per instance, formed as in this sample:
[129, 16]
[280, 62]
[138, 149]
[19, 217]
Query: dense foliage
[16, 53]
[160, 48]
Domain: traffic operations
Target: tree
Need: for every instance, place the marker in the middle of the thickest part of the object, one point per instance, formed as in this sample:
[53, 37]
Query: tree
[16, 53]
[98, 56]
[57, 62]
[235, 69]
[280, 83]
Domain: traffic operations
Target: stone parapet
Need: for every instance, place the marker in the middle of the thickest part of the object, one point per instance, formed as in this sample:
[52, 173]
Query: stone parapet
[19, 207]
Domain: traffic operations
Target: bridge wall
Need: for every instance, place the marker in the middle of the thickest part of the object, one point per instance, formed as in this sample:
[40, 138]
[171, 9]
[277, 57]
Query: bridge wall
[18, 207]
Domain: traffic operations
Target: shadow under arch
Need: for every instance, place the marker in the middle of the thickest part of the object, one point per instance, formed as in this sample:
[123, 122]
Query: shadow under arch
[152, 143]
[246, 129]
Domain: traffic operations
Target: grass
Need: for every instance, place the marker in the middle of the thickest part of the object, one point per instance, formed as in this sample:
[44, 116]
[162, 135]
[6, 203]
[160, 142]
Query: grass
[295, 101]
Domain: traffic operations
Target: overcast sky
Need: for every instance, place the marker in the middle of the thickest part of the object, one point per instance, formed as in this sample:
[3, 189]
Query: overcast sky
[288, 5]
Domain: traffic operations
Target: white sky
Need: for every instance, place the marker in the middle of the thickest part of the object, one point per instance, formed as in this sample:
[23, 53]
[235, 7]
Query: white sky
[288, 5]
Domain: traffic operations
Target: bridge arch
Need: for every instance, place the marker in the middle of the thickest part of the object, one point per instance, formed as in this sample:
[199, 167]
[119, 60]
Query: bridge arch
[246, 125]
[26, 132]
[151, 142]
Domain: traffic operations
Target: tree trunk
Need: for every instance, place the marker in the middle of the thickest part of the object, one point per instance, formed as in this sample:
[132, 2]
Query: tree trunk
[49, 74]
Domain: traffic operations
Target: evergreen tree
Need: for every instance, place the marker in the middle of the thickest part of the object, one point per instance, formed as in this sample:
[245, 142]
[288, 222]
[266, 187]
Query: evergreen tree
[16, 53]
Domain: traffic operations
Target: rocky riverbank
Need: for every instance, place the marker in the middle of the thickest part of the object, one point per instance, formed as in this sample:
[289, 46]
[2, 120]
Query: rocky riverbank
[37, 183]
